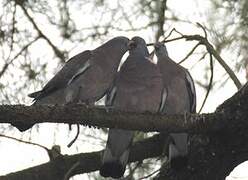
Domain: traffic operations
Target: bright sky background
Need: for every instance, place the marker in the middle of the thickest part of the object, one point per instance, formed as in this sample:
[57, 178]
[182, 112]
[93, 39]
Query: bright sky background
[17, 156]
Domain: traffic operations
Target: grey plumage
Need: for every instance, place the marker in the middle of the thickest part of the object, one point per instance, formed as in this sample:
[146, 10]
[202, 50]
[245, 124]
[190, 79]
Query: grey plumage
[181, 98]
[138, 88]
[85, 78]
[92, 84]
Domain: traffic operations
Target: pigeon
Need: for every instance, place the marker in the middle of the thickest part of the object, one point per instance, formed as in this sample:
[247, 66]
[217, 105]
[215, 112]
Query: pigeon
[137, 88]
[181, 98]
[85, 78]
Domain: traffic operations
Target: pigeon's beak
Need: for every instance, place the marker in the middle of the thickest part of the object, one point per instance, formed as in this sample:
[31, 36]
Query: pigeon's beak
[131, 44]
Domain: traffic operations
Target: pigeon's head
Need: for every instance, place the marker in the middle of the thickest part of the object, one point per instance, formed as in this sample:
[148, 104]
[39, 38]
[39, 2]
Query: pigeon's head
[118, 45]
[137, 45]
[120, 41]
[160, 49]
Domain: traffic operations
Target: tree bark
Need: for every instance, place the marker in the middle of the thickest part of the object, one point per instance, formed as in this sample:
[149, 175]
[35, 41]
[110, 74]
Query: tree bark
[88, 162]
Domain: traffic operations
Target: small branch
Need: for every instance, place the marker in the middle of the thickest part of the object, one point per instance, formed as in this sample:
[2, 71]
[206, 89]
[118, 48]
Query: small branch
[26, 142]
[52, 153]
[75, 138]
[166, 37]
[189, 54]
[204, 30]
[210, 82]
[58, 53]
[211, 50]
[5, 67]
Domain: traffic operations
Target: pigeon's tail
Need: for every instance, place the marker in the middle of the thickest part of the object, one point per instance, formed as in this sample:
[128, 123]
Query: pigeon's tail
[178, 150]
[113, 166]
[22, 126]
[116, 154]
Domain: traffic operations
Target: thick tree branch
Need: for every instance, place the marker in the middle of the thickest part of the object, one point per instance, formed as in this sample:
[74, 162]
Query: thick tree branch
[94, 116]
[101, 117]
[56, 170]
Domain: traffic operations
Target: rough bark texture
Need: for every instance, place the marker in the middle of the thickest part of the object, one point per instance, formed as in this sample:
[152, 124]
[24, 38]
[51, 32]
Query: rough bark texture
[218, 140]
[95, 116]
[88, 162]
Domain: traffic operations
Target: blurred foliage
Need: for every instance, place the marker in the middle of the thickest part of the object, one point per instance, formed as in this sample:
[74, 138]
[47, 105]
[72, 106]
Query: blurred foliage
[233, 33]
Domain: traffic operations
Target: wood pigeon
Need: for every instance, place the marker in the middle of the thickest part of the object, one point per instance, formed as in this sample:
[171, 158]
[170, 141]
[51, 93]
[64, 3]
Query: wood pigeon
[181, 98]
[84, 78]
[138, 88]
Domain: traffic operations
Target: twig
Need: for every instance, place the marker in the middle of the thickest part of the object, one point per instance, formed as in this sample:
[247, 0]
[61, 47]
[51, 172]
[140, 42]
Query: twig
[201, 58]
[204, 30]
[166, 37]
[190, 53]
[58, 53]
[211, 50]
[75, 138]
[26, 142]
[210, 82]
[50, 152]
[149, 175]
[5, 67]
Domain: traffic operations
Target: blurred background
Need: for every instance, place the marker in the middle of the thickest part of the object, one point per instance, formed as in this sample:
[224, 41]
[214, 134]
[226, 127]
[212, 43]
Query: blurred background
[37, 37]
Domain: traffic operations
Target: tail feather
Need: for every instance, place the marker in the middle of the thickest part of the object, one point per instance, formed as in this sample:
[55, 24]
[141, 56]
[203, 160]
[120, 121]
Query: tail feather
[178, 150]
[114, 166]
[116, 154]
[112, 169]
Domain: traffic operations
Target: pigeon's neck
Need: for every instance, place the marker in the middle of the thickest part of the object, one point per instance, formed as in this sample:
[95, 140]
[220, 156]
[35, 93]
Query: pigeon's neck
[166, 60]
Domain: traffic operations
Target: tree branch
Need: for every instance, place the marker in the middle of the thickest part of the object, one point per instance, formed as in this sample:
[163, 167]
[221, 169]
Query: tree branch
[210, 49]
[6, 65]
[58, 52]
[94, 116]
[102, 117]
[55, 170]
